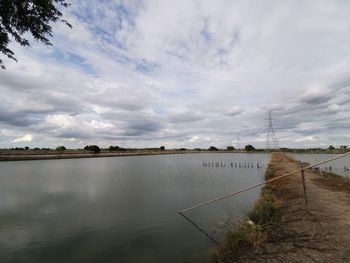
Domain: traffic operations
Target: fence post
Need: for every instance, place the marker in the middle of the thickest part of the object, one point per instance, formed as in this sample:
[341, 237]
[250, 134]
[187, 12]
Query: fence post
[304, 187]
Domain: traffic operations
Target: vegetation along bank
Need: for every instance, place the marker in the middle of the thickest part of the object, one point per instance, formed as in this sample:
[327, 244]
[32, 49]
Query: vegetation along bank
[281, 228]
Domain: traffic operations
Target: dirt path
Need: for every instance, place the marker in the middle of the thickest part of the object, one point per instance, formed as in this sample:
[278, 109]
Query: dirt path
[320, 235]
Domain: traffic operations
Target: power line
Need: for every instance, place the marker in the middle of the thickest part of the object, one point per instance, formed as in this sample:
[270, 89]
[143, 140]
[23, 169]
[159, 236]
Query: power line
[303, 106]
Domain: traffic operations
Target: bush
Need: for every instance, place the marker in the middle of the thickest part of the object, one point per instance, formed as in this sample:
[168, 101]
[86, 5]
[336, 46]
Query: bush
[262, 214]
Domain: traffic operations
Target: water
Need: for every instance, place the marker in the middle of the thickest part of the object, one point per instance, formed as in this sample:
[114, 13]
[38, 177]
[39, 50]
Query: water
[118, 209]
[337, 165]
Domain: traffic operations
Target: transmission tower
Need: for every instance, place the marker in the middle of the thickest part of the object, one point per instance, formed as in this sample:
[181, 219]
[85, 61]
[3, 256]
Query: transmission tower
[271, 140]
[238, 142]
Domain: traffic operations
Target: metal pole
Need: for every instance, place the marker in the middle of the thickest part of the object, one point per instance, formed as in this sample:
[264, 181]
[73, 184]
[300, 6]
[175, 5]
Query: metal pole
[304, 187]
[200, 229]
[259, 184]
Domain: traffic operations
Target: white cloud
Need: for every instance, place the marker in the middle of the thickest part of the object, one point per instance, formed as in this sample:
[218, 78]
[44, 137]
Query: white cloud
[334, 107]
[235, 110]
[25, 138]
[61, 120]
[177, 71]
[99, 124]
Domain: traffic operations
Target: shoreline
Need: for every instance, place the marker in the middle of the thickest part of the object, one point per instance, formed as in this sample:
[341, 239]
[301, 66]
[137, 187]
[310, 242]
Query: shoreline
[32, 156]
[57, 156]
[293, 231]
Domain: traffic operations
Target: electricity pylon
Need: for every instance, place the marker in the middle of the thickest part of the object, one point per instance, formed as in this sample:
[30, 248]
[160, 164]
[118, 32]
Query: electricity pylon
[271, 140]
[238, 142]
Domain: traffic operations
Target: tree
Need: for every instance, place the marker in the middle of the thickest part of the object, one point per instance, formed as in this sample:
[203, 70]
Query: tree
[331, 147]
[230, 148]
[116, 149]
[213, 148]
[113, 148]
[162, 148]
[92, 148]
[249, 148]
[17, 18]
[61, 148]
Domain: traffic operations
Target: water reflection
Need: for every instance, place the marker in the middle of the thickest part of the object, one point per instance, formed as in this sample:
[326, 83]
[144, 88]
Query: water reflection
[338, 166]
[116, 209]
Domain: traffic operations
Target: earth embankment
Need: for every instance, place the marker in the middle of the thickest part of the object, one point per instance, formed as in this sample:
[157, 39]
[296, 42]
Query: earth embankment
[320, 233]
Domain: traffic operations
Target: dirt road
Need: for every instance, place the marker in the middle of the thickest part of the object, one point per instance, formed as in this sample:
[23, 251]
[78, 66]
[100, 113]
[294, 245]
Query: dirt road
[320, 235]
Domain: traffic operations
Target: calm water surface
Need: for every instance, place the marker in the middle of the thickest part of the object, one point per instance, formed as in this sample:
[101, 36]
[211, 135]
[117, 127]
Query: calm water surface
[337, 165]
[118, 209]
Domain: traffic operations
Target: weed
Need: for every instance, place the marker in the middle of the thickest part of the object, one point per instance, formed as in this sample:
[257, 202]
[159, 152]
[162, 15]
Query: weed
[251, 232]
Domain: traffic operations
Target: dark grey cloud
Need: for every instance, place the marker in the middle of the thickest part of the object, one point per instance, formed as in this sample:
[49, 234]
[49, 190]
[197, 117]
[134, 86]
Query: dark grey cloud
[73, 134]
[21, 83]
[141, 126]
[119, 80]
[21, 119]
[187, 117]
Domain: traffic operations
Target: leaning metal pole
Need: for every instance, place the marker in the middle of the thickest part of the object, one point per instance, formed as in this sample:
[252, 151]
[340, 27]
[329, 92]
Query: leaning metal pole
[259, 184]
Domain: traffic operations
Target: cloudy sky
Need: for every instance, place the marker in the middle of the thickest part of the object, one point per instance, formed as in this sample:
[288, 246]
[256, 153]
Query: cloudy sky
[183, 74]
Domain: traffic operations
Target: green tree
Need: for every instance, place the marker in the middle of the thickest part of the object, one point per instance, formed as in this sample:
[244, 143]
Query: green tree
[331, 147]
[230, 148]
[61, 148]
[213, 148]
[249, 148]
[92, 148]
[162, 148]
[113, 148]
[116, 149]
[20, 17]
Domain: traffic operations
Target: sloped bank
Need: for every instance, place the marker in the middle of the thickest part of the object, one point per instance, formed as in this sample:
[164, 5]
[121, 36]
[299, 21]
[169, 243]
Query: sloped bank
[280, 228]
[249, 234]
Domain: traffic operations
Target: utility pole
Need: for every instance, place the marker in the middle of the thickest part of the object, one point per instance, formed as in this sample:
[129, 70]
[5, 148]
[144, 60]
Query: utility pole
[271, 139]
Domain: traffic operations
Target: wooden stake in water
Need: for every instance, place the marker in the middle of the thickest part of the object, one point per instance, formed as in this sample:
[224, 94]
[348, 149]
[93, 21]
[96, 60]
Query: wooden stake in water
[259, 184]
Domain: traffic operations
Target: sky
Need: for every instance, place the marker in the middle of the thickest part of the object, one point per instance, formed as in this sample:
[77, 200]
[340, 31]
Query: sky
[183, 74]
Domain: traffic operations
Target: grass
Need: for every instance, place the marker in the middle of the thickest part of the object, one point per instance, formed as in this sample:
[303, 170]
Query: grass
[332, 175]
[251, 232]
